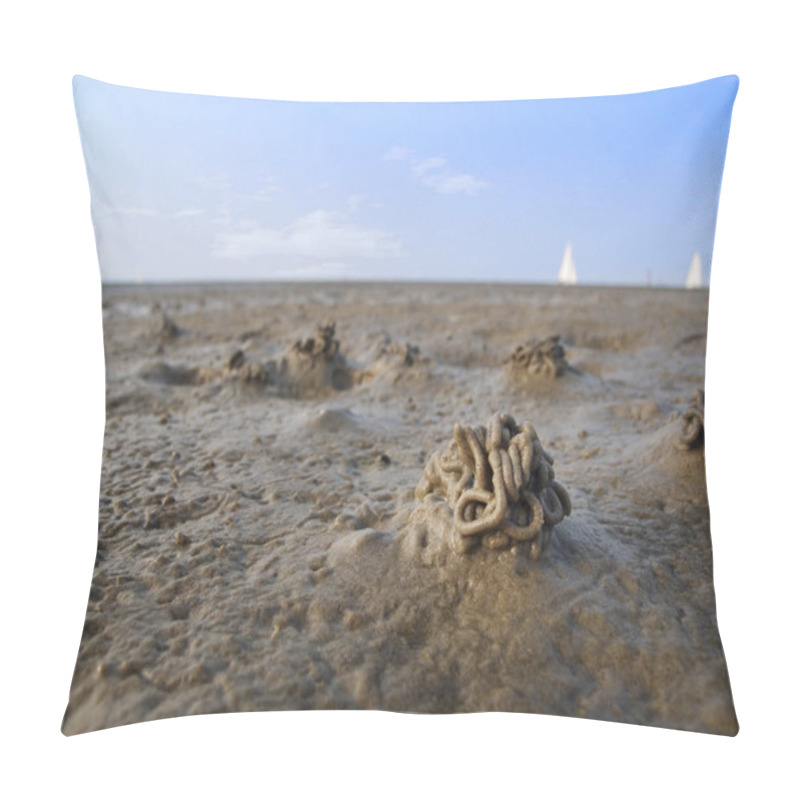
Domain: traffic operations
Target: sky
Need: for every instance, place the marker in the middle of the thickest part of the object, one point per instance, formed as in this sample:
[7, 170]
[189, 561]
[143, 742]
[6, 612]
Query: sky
[198, 188]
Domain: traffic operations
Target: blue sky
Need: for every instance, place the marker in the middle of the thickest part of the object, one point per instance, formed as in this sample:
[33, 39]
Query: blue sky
[187, 187]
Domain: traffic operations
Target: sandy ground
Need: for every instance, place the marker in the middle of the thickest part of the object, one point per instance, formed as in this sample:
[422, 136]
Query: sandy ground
[260, 545]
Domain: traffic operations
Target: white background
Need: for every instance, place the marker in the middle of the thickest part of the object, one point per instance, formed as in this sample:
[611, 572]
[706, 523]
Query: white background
[53, 396]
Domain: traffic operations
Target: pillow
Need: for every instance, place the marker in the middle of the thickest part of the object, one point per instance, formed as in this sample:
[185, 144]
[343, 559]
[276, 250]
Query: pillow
[404, 407]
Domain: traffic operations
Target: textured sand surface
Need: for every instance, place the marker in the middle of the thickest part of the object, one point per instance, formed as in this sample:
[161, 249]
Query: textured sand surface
[260, 546]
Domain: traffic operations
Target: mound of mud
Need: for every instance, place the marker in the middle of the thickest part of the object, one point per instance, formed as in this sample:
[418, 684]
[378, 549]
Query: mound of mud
[312, 367]
[658, 467]
[539, 359]
[693, 423]
[498, 482]
[390, 352]
[171, 374]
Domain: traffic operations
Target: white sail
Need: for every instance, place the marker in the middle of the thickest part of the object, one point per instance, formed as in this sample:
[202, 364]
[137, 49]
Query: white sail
[694, 280]
[567, 274]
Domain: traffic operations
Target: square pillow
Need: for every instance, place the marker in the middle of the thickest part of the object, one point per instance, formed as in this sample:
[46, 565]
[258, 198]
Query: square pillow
[404, 407]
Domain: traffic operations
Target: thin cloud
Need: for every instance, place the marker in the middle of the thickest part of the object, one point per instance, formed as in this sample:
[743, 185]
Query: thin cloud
[435, 173]
[152, 213]
[454, 183]
[223, 186]
[424, 166]
[218, 182]
[268, 191]
[398, 154]
[130, 211]
[354, 201]
[320, 234]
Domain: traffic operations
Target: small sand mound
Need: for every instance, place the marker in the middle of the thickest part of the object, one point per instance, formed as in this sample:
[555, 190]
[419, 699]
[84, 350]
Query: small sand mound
[394, 362]
[596, 339]
[171, 375]
[692, 339]
[322, 346]
[637, 410]
[313, 366]
[390, 352]
[169, 330]
[333, 420]
[310, 368]
[240, 367]
[693, 431]
[237, 368]
[657, 466]
[540, 359]
[236, 360]
[498, 482]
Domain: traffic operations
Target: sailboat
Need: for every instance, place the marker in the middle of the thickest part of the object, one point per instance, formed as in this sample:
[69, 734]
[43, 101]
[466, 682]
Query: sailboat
[694, 280]
[567, 274]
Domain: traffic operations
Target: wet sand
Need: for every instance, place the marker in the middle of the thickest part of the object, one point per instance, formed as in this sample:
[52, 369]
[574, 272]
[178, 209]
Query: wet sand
[260, 543]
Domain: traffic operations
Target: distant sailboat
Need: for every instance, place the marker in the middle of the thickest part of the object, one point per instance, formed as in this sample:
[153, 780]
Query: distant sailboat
[567, 274]
[694, 280]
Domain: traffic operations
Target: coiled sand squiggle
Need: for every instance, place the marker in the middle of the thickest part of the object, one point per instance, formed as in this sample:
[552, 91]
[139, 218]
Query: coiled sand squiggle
[499, 482]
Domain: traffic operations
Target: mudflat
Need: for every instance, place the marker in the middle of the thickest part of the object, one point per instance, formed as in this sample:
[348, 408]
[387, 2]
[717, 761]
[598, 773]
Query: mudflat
[262, 544]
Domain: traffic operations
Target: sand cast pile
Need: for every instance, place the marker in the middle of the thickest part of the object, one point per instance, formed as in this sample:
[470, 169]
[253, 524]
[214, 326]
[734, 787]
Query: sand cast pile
[693, 432]
[245, 370]
[322, 347]
[394, 363]
[545, 358]
[237, 367]
[498, 482]
[168, 330]
[313, 366]
[310, 367]
[390, 351]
